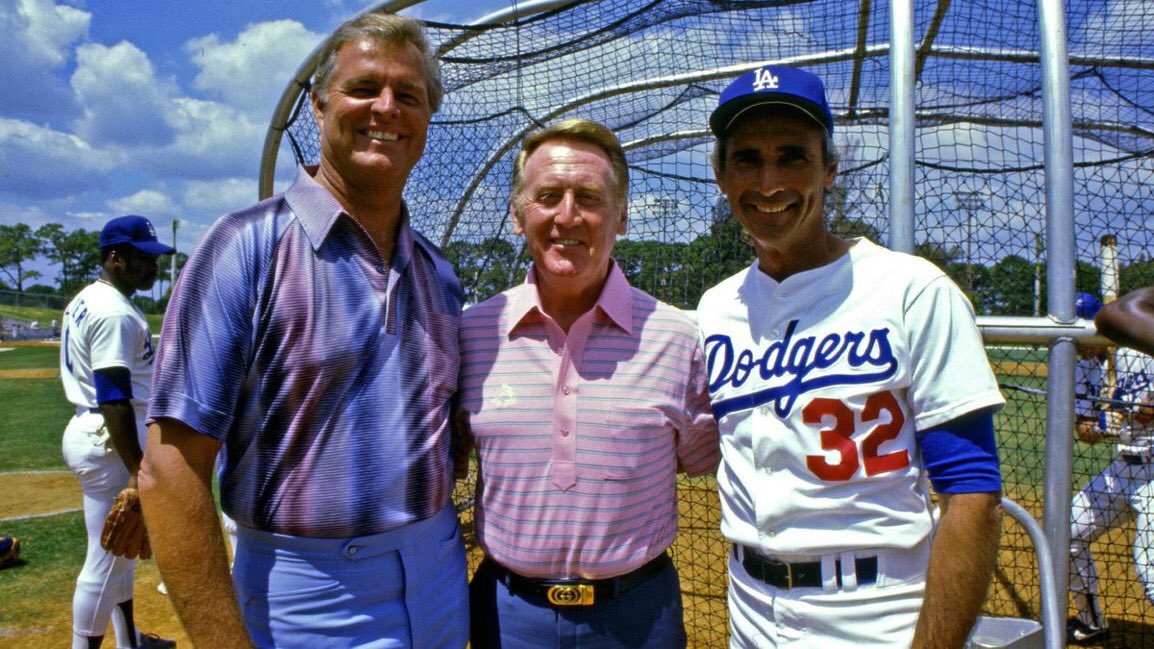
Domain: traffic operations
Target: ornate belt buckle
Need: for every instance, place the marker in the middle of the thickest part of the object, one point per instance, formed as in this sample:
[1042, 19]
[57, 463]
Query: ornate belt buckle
[570, 594]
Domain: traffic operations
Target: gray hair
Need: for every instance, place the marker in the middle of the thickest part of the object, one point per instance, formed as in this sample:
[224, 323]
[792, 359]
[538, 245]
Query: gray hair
[384, 29]
[580, 130]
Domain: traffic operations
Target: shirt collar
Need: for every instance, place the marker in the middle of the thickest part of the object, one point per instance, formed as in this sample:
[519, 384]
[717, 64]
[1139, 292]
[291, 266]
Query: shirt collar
[317, 210]
[615, 301]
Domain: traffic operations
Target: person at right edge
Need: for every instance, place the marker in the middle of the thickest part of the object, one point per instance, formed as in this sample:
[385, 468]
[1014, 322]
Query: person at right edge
[1125, 487]
[842, 376]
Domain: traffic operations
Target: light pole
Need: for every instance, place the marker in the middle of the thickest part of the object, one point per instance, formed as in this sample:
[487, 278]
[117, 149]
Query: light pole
[969, 200]
[172, 262]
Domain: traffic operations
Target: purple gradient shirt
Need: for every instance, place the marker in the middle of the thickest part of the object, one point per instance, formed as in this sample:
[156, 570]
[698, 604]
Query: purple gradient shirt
[326, 373]
[581, 435]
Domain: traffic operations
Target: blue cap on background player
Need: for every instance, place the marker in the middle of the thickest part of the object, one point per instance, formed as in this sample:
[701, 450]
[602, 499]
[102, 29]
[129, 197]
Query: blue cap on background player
[772, 84]
[1086, 306]
[134, 230]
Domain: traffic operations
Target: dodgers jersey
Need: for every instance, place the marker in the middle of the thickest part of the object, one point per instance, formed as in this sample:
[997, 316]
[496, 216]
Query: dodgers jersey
[104, 329]
[819, 384]
[1135, 384]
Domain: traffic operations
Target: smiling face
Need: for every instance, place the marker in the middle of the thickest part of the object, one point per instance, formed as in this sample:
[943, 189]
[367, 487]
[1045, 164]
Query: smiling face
[775, 179]
[374, 119]
[570, 216]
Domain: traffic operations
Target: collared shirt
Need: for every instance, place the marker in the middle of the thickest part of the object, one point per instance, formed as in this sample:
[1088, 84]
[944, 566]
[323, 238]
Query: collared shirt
[326, 372]
[580, 435]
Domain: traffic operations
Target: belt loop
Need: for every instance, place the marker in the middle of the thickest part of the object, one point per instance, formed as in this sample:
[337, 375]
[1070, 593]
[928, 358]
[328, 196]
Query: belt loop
[830, 575]
[848, 571]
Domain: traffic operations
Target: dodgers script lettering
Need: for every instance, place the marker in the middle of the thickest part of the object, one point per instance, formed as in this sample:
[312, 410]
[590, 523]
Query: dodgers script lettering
[856, 356]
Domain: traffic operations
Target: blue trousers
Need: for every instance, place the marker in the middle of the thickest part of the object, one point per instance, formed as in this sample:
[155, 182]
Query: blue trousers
[405, 588]
[647, 616]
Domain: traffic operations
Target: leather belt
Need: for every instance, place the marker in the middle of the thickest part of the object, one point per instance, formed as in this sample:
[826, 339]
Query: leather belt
[578, 592]
[803, 574]
[1133, 458]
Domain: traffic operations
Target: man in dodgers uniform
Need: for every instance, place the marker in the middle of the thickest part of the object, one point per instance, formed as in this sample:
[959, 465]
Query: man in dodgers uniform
[1125, 485]
[106, 368]
[843, 376]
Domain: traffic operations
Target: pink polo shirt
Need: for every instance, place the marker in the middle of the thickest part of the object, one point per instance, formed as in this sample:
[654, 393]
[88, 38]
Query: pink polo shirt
[580, 436]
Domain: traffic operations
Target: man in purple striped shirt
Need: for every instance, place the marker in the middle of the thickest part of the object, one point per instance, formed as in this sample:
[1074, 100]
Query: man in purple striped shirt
[584, 398]
[314, 335]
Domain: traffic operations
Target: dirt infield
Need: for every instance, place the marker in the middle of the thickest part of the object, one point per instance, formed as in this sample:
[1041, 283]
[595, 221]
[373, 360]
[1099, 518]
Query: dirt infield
[34, 373]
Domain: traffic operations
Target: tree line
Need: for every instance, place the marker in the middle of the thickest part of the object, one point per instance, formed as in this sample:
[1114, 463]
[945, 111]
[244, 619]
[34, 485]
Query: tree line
[679, 272]
[675, 272]
[74, 253]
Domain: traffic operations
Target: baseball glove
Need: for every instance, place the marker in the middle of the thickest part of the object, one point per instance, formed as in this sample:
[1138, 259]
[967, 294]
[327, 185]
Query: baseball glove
[9, 551]
[124, 533]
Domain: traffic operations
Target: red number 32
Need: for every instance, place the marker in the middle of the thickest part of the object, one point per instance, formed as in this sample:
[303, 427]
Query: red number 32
[839, 437]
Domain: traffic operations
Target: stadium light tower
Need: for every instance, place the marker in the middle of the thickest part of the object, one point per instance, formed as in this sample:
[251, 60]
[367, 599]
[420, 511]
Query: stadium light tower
[971, 201]
[172, 262]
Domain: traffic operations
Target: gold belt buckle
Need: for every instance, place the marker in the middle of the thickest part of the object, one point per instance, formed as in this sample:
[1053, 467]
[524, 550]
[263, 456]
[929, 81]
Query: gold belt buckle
[570, 594]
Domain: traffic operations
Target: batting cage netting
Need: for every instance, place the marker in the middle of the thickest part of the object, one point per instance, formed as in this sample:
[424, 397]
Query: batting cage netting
[652, 72]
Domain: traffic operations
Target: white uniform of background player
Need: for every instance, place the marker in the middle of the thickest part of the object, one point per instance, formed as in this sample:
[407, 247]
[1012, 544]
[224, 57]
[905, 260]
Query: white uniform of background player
[104, 331]
[1126, 485]
[822, 375]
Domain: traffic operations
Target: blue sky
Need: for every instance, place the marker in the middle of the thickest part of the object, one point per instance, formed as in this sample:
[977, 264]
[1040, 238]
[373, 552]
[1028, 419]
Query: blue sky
[158, 108]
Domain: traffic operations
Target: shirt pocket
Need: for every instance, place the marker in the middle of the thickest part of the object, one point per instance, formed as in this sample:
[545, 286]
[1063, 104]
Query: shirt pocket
[634, 443]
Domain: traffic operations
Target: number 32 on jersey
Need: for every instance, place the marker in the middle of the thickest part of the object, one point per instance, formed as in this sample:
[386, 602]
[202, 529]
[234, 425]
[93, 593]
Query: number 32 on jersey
[855, 454]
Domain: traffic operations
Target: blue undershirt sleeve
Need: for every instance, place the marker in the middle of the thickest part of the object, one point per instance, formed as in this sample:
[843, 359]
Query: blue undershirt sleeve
[961, 455]
[112, 384]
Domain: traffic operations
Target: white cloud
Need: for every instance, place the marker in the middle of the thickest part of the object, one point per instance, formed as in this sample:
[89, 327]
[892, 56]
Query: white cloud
[252, 71]
[220, 196]
[211, 140]
[36, 37]
[40, 162]
[151, 203]
[124, 103]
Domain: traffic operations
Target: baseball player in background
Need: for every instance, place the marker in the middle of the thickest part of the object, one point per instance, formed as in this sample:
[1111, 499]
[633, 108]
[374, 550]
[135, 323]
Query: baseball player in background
[1089, 420]
[106, 368]
[843, 376]
[1127, 484]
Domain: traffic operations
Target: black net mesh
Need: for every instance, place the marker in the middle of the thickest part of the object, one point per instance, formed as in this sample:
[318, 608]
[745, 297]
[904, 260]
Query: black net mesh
[652, 71]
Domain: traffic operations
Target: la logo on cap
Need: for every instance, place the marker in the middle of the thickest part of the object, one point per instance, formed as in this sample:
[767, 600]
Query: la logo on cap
[764, 80]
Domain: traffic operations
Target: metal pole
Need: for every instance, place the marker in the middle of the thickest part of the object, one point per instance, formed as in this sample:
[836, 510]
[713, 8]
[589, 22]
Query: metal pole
[902, 125]
[1059, 279]
[172, 262]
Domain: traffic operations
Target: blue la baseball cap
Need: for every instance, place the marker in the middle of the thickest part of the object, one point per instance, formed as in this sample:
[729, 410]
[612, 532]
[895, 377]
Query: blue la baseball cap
[776, 84]
[134, 230]
[1086, 306]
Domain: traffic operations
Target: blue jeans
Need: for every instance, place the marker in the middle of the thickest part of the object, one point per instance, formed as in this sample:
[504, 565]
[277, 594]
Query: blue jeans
[648, 616]
[405, 588]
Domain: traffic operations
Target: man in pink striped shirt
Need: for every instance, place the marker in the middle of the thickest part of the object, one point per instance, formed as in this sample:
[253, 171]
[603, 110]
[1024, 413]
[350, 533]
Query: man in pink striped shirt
[584, 398]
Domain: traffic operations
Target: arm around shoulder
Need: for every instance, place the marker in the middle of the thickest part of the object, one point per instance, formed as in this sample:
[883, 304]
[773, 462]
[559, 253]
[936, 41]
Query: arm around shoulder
[176, 494]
